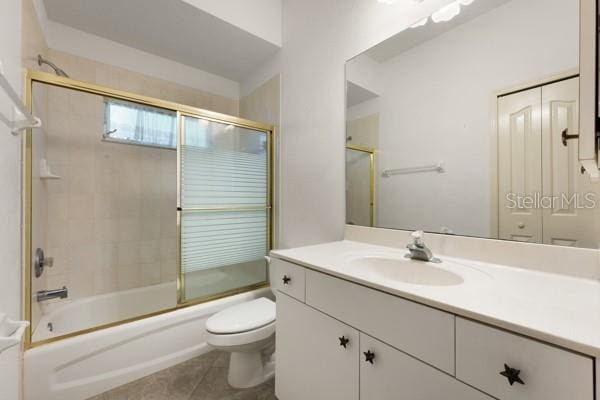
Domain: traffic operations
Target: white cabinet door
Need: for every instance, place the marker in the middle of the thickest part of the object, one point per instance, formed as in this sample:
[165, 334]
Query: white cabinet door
[312, 362]
[394, 375]
[519, 165]
[567, 220]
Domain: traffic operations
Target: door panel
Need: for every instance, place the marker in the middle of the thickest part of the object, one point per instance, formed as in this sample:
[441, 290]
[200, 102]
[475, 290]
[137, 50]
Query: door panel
[519, 165]
[566, 221]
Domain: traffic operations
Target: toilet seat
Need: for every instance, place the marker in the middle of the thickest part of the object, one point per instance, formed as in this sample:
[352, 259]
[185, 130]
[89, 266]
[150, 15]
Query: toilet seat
[243, 317]
[242, 324]
[256, 336]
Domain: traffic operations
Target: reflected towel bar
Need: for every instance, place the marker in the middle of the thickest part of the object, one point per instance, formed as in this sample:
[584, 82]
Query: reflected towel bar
[26, 120]
[440, 168]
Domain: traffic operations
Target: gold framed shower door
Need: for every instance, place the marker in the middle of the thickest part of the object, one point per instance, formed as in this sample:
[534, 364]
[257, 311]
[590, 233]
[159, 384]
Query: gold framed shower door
[372, 190]
[32, 77]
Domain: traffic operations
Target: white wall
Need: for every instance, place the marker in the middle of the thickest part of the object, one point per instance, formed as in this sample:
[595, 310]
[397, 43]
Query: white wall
[318, 37]
[262, 18]
[365, 72]
[10, 196]
[439, 92]
[86, 45]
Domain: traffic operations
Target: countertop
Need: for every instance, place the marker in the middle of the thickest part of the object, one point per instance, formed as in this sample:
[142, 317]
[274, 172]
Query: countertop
[558, 309]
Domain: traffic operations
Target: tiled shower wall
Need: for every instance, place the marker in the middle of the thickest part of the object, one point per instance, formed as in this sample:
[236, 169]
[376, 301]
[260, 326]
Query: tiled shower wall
[112, 214]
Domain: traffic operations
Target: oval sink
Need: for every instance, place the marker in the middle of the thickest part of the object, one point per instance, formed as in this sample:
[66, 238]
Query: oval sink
[405, 270]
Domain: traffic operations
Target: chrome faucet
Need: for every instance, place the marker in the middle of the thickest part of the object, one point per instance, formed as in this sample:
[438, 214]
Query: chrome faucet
[418, 250]
[44, 295]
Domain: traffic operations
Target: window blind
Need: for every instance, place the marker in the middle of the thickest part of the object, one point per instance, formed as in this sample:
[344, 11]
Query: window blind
[224, 196]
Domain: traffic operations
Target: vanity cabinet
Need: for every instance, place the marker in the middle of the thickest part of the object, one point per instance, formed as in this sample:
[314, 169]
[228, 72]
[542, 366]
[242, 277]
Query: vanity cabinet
[320, 358]
[424, 332]
[342, 340]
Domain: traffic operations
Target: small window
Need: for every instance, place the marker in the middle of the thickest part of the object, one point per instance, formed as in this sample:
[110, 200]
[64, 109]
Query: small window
[132, 123]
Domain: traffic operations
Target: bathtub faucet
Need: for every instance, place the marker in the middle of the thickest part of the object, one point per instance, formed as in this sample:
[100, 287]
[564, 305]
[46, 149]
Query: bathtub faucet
[44, 295]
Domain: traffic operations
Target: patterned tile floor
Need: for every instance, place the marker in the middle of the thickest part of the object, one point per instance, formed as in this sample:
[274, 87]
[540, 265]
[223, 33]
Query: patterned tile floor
[201, 378]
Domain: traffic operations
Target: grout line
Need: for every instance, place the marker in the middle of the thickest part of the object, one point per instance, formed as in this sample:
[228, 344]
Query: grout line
[201, 380]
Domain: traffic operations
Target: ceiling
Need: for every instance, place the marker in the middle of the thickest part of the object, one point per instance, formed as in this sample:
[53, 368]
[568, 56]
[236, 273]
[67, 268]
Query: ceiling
[172, 29]
[413, 37]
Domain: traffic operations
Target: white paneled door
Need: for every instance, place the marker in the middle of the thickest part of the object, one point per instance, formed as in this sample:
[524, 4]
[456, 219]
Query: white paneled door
[543, 196]
[571, 219]
[519, 165]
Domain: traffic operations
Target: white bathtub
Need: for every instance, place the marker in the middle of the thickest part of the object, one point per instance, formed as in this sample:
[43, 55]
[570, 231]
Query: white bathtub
[104, 309]
[84, 366]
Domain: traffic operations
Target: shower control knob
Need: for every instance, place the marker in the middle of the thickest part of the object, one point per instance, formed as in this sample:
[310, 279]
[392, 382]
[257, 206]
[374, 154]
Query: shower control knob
[369, 356]
[344, 341]
[286, 280]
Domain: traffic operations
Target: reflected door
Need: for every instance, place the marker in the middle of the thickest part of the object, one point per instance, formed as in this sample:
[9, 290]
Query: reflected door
[519, 166]
[224, 208]
[360, 186]
[538, 162]
[571, 218]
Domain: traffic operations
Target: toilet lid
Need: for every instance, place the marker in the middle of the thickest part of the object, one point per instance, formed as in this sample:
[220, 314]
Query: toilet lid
[242, 317]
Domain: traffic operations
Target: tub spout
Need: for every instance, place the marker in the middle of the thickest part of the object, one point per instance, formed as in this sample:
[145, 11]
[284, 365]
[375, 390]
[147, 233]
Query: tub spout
[44, 295]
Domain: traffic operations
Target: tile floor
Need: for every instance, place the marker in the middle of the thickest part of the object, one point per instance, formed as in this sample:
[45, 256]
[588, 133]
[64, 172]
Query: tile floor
[201, 378]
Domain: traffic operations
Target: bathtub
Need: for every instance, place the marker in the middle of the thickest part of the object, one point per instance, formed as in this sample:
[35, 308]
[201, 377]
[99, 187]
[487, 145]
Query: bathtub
[86, 365]
[104, 309]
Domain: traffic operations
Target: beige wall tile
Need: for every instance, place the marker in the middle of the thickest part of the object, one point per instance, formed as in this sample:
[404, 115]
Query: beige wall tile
[150, 273]
[128, 277]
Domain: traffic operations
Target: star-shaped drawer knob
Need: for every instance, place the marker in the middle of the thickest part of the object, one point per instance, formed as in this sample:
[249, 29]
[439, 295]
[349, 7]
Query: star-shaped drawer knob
[369, 356]
[512, 375]
[286, 279]
[344, 341]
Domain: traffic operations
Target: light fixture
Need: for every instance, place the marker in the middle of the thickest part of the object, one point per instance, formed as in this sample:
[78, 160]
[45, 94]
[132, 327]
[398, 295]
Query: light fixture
[446, 13]
[449, 11]
[420, 23]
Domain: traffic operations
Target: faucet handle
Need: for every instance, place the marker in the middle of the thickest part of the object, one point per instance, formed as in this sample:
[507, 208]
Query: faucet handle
[417, 237]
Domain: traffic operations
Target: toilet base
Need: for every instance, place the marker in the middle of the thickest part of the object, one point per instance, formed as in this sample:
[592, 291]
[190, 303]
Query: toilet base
[248, 369]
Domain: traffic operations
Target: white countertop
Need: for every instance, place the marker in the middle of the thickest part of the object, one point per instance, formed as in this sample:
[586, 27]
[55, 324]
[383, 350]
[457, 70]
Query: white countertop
[558, 309]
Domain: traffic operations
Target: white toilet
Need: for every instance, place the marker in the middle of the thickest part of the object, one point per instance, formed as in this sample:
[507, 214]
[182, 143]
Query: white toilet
[247, 331]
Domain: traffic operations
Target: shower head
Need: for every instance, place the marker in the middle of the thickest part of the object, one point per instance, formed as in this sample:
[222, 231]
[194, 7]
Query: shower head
[41, 60]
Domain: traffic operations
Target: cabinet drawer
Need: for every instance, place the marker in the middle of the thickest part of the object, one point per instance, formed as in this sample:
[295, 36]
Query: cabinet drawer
[423, 332]
[548, 373]
[394, 375]
[288, 278]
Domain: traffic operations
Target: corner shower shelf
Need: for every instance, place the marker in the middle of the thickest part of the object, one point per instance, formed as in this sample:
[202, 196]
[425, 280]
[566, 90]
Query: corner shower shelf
[11, 332]
[45, 172]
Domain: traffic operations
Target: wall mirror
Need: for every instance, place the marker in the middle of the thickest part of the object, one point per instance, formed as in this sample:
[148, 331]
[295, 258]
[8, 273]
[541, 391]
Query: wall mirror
[467, 123]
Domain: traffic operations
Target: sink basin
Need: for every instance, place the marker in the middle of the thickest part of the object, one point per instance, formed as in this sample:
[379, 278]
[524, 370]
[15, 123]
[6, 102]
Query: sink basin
[405, 270]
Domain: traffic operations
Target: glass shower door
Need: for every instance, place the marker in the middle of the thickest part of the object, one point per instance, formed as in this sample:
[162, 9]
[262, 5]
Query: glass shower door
[224, 208]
